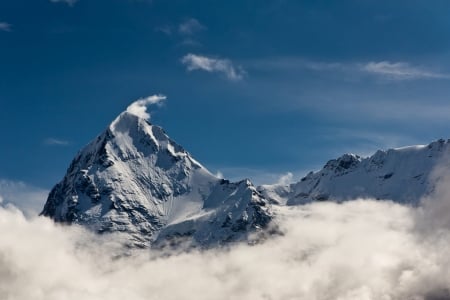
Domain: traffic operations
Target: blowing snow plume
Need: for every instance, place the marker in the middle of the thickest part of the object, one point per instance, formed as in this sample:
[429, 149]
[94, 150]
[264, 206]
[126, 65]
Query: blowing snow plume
[139, 107]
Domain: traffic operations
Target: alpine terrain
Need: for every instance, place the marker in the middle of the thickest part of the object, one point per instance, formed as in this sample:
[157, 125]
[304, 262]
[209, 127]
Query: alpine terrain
[134, 180]
[403, 175]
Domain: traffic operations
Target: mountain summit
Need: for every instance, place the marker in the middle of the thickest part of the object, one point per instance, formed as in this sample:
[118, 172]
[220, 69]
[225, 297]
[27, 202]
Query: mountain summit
[404, 175]
[135, 180]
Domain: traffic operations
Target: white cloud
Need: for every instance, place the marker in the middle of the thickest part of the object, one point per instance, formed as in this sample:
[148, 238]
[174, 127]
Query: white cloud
[27, 198]
[68, 2]
[361, 249]
[209, 64]
[190, 27]
[55, 142]
[357, 250]
[385, 69]
[399, 71]
[5, 26]
[139, 107]
[286, 179]
[260, 176]
[219, 175]
[435, 215]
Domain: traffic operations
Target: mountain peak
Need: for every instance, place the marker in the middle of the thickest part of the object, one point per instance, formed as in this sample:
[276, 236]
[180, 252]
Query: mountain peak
[134, 179]
[126, 120]
[400, 174]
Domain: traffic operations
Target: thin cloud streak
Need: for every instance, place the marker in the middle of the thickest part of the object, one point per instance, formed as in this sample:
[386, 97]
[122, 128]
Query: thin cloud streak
[400, 71]
[68, 2]
[213, 65]
[392, 71]
[55, 142]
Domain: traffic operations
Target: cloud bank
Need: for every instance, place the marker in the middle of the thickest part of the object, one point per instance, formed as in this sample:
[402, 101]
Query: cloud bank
[361, 249]
[139, 107]
[208, 64]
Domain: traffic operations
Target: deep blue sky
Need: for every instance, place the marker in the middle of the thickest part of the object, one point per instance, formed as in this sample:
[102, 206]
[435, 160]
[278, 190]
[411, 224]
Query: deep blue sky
[288, 85]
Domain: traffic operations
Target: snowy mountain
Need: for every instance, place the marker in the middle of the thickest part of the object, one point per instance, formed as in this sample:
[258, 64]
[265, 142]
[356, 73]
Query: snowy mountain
[401, 175]
[135, 180]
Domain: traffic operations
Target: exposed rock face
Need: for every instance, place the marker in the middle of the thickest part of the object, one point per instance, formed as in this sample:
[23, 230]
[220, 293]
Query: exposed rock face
[135, 180]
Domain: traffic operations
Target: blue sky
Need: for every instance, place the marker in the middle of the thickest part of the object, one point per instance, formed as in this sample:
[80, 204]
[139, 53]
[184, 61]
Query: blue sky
[254, 88]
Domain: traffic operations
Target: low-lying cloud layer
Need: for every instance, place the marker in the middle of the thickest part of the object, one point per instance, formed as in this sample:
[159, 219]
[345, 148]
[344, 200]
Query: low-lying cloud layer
[29, 199]
[361, 249]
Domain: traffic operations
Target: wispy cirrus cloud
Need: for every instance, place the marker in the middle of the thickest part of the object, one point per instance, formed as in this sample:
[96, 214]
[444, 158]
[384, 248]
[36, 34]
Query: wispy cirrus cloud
[400, 71]
[190, 27]
[5, 26]
[55, 142]
[384, 69]
[68, 2]
[295, 63]
[185, 31]
[213, 65]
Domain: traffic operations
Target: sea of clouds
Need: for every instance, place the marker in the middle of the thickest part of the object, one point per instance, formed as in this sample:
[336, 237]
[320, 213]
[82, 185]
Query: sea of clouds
[361, 249]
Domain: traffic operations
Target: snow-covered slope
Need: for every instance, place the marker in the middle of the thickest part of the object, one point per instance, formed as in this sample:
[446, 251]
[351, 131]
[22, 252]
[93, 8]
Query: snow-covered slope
[401, 175]
[135, 180]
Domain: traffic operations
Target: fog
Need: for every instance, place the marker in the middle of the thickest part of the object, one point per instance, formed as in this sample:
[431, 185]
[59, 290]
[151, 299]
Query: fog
[361, 249]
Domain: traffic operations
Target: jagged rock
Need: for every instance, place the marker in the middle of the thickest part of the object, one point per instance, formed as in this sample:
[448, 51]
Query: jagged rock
[135, 180]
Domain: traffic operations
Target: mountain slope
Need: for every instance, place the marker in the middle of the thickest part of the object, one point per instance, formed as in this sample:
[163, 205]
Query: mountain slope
[135, 180]
[401, 175]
